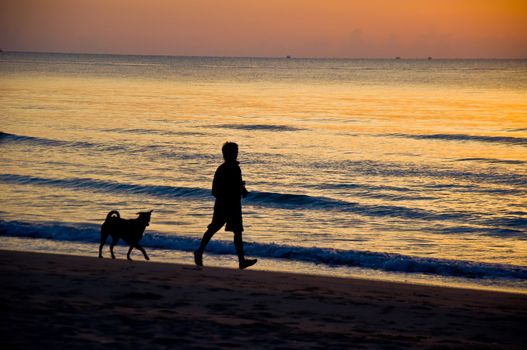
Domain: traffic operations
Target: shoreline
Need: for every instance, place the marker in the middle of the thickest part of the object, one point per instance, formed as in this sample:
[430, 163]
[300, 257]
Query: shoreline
[41, 245]
[67, 300]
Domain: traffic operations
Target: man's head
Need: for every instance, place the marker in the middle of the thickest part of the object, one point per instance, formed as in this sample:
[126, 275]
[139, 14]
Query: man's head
[230, 151]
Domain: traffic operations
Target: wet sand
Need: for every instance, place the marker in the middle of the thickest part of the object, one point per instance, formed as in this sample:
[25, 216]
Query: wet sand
[59, 301]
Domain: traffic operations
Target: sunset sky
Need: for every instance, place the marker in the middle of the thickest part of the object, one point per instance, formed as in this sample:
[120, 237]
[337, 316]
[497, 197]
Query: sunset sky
[301, 28]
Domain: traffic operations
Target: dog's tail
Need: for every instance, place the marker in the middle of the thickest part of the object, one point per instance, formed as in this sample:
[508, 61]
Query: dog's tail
[111, 215]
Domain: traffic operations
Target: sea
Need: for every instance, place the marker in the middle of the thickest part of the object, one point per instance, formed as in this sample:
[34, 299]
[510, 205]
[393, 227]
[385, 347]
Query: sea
[409, 170]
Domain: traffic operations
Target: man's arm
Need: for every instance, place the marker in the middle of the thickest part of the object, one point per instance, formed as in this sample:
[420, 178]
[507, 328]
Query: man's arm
[243, 190]
[216, 184]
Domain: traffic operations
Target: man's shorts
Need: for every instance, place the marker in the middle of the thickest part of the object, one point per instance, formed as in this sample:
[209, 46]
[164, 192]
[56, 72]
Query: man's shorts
[227, 213]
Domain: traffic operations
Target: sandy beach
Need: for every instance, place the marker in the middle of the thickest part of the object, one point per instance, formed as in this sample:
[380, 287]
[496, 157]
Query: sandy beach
[59, 301]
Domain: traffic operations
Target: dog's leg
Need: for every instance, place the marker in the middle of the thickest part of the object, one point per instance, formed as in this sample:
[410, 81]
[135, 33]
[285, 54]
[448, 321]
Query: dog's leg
[129, 251]
[142, 251]
[104, 237]
[114, 242]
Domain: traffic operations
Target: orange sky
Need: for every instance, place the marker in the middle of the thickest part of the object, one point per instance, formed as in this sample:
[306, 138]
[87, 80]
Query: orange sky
[307, 28]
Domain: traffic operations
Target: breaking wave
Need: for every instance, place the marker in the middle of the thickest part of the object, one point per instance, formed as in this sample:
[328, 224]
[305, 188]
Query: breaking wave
[390, 262]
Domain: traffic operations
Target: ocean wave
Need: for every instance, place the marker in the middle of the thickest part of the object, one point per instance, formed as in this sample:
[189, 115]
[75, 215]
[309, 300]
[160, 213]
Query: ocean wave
[391, 262]
[42, 141]
[305, 202]
[514, 220]
[108, 186]
[260, 127]
[256, 198]
[7, 138]
[509, 226]
[508, 140]
[374, 168]
[491, 160]
[151, 151]
[392, 193]
[153, 132]
[155, 151]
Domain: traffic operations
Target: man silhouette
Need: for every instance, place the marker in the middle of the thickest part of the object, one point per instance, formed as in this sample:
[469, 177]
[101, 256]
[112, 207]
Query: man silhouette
[228, 188]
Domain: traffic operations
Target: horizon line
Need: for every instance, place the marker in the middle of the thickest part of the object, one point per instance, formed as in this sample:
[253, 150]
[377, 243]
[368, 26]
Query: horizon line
[266, 57]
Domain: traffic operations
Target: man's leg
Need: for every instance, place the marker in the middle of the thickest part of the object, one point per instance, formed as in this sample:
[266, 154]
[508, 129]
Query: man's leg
[238, 244]
[198, 254]
[206, 238]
